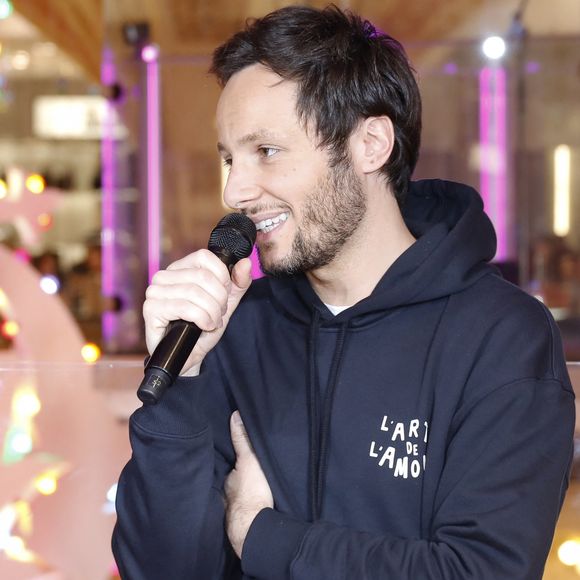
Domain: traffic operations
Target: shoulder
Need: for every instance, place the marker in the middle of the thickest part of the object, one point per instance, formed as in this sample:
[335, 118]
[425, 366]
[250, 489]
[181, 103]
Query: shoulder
[506, 308]
[514, 335]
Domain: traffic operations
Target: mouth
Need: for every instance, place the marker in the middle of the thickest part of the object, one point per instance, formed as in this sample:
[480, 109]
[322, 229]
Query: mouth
[267, 225]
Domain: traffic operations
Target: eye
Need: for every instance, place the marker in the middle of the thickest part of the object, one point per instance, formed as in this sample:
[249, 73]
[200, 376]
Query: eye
[227, 163]
[268, 151]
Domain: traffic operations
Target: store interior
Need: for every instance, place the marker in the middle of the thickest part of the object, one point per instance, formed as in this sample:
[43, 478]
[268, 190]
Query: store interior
[109, 171]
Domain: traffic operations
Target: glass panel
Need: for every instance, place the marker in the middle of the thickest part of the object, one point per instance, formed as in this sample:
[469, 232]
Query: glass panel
[64, 442]
[509, 128]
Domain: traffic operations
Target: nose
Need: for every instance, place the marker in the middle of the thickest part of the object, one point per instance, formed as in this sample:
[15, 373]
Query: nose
[242, 188]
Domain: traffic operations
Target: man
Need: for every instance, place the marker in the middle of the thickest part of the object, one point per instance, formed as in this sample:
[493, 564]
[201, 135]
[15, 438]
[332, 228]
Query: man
[406, 412]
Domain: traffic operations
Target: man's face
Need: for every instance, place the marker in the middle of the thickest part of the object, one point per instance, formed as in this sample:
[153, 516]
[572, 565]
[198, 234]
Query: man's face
[304, 210]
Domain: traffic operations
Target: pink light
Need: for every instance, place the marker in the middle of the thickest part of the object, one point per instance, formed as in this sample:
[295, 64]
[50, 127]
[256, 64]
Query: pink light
[256, 270]
[502, 178]
[153, 163]
[450, 68]
[485, 138]
[493, 152]
[150, 53]
[108, 221]
[22, 255]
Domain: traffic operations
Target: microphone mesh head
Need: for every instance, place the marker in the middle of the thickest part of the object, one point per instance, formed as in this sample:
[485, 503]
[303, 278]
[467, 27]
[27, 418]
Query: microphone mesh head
[235, 233]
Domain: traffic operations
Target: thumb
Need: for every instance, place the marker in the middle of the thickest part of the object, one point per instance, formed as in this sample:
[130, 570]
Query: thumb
[241, 280]
[242, 275]
[240, 440]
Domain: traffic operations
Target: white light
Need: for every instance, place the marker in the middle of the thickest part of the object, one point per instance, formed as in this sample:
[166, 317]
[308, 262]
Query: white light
[20, 60]
[21, 443]
[5, 9]
[112, 493]
[25, 403]
[15, 181]
[16, 550]
[108, 508]
[493, 47]
[150, 53]
[75, 117]
[562, 190]
[49, 284]
[7, 520]
[569, 553]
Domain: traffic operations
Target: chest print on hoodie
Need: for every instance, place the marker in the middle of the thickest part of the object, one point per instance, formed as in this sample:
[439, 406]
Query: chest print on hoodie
[400, 446]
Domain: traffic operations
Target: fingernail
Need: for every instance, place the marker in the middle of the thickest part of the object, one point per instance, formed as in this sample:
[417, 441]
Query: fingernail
[237, 418]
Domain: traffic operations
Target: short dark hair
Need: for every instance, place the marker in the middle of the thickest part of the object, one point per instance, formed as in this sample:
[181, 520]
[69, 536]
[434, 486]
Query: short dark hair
[346, 71]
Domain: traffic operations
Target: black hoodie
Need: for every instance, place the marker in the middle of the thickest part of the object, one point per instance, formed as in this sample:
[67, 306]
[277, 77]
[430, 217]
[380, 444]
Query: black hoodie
[424, 433]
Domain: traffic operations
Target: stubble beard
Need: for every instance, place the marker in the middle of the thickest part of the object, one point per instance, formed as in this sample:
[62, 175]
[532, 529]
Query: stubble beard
[330, 216]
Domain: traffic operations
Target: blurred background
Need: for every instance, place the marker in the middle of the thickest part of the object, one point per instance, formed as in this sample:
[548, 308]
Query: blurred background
[109, 171]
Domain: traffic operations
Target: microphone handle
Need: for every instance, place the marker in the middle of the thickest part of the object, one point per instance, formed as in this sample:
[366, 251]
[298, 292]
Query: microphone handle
[167, 360]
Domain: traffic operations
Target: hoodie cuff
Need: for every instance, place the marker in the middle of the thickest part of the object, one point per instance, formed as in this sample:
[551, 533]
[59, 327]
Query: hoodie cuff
[178, 412]
[271, 545]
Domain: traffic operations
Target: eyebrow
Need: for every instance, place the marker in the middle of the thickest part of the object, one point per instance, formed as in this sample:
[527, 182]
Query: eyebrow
[260, 135]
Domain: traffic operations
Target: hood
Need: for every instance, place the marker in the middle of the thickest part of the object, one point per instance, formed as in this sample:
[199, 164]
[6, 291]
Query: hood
[455, 242]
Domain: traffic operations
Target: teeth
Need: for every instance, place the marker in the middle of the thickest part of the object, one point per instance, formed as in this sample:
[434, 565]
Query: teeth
[269, 224]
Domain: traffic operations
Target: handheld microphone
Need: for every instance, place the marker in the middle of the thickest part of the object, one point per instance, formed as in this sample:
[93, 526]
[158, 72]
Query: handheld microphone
[231, 240]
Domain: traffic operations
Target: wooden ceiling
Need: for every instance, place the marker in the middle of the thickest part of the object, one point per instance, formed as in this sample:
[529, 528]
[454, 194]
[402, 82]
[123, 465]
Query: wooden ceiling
[196, 26]
[178, 25]
[75, 26]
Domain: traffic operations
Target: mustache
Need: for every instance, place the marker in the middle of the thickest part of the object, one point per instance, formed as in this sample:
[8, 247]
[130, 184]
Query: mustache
[263, 208]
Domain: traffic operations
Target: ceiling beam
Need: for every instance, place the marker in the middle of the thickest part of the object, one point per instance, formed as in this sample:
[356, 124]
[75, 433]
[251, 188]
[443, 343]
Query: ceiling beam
[75, 26]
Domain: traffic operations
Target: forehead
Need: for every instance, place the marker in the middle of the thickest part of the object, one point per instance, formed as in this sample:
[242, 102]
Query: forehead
[256, 99]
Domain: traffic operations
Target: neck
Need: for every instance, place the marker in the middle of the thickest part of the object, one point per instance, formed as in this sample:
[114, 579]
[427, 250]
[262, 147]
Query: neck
[376, 244]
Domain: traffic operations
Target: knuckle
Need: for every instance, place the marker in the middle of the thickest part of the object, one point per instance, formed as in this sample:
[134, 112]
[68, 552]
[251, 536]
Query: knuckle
[193, 260]
[198, 315]
[150, 292]
[157, 278]
[184, 262]
[204, 276]
[205, 254]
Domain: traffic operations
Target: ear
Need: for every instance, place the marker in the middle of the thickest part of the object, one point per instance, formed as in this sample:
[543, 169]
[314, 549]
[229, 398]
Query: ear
[372, 143]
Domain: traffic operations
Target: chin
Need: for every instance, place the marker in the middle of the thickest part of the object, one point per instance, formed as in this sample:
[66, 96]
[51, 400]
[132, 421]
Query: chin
[272, 265]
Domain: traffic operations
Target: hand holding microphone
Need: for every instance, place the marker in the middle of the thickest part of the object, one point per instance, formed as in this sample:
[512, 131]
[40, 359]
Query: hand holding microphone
[188, 306]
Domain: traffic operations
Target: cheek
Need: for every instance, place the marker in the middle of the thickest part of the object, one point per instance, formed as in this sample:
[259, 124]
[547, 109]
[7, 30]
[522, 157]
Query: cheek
[283, 177]
[294, 182]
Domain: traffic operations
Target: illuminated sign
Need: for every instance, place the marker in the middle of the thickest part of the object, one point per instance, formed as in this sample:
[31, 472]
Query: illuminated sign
[75, 117]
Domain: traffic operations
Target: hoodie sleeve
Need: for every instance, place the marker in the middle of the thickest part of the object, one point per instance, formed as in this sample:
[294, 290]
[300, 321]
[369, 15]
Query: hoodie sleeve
[170, 508]
[494, 514]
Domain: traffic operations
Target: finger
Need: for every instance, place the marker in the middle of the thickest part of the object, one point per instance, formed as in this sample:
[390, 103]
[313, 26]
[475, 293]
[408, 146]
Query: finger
[212, 297]
[202, 277]
[205, 315]
[203, 259]
[240, 440]
[156, 323]
[153, 337]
